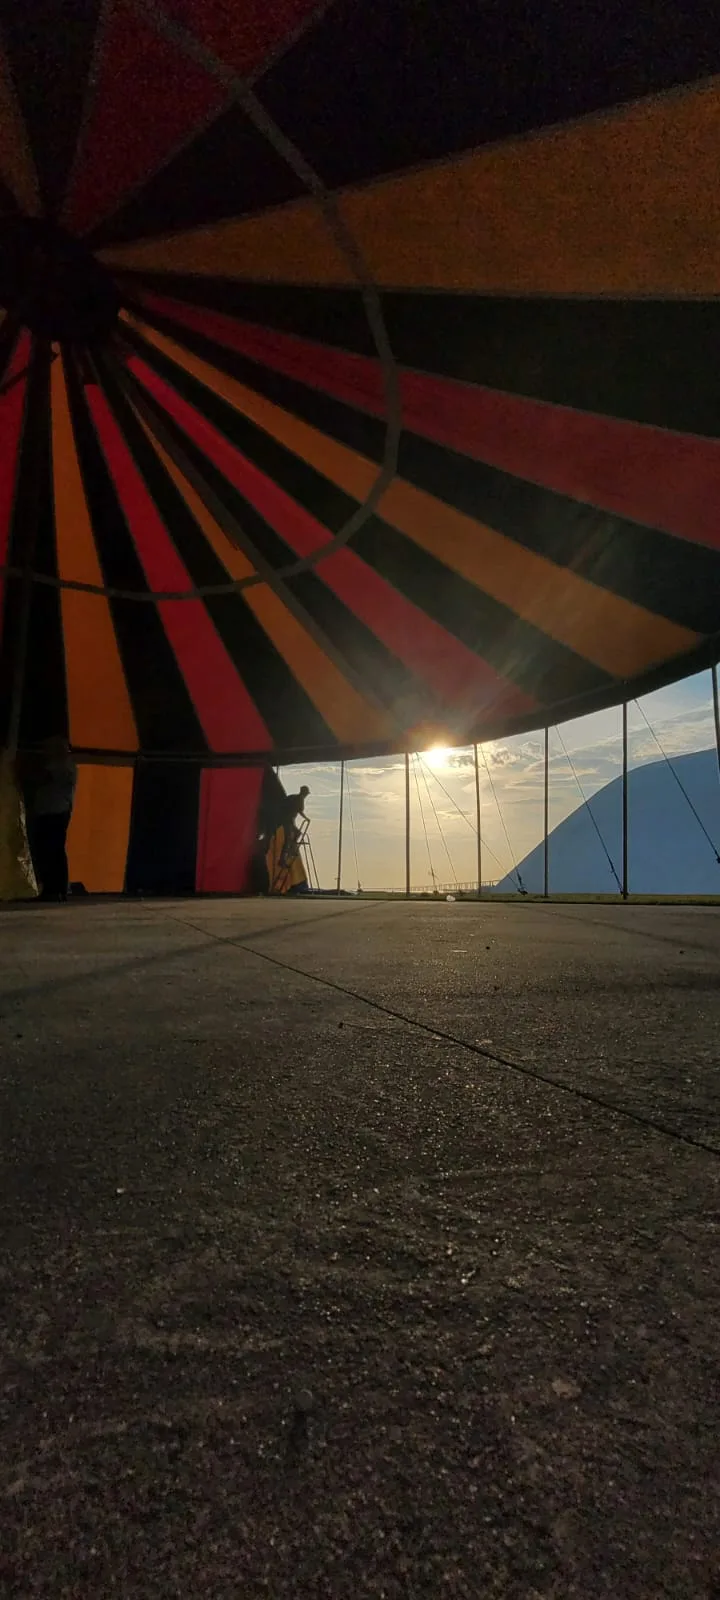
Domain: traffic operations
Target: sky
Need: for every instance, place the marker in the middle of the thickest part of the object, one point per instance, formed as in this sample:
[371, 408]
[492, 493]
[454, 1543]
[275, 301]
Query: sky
[584, 755]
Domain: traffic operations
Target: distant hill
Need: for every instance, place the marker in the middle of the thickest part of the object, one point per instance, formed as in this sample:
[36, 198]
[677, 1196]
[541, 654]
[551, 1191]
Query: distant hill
[668, 852]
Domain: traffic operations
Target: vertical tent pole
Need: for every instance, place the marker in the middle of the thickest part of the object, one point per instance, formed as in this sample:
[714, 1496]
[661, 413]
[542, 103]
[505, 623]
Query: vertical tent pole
[477, 820]
[546, 844]
[340, 825]
[716, 708]
[625, 802]
[407, 825]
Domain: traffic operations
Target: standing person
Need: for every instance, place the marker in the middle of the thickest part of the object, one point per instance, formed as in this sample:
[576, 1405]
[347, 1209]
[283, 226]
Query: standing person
[52, 804]
[294, 807]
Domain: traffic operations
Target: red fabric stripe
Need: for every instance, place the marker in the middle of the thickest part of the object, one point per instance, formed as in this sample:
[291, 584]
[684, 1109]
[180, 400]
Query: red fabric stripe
[242, 35]
[463, 682]
[653, 476]
[18, 360]
[229, 718]
[149, 98]
[228, 829]
[12, 411]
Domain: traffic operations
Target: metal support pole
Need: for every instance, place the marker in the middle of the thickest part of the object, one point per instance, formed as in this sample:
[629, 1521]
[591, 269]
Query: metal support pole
[340, 824]
[716, 708]
[477, 820]
[546, 843]
[625, 802]
[407, 825]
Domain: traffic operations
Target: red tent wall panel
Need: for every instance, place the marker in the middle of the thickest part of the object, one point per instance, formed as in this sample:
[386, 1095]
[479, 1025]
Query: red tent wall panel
[228, 829]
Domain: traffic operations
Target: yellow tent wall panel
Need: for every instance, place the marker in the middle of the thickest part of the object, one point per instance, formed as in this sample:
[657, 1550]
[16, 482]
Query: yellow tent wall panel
[100, 828]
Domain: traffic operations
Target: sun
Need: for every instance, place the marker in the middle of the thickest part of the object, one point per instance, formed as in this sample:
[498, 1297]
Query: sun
[437, 757]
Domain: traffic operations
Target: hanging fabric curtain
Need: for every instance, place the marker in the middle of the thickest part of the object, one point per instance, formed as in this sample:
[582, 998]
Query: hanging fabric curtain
[358, 375]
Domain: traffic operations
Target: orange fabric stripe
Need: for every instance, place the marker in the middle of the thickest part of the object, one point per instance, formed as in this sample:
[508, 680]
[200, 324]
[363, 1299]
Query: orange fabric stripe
[618, 636]
[352, 718]
[100, 828]
[99, 704]
[17, 167]
[623, 203]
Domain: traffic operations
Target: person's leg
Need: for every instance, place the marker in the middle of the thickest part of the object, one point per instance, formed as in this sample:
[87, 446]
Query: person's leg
[55, 876]
[42, 854]
[62, 860]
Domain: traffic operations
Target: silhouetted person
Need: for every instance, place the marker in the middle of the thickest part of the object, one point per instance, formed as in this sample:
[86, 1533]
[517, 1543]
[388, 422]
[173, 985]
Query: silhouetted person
[294, 807]
[52, 803]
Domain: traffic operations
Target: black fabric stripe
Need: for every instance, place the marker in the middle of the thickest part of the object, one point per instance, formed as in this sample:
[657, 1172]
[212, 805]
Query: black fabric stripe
[8, 339]
[44, 711]
[8, 203]
[245, 175]
[669, 576]
[542, 667]
[374, 666]
[287, 711]
[162, 852]
[49, 45]
[165, 716]
[381, 86]
[641, 360]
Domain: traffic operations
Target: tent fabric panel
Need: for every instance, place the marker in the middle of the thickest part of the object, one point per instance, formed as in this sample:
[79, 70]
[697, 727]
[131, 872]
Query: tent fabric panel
[170, 98]
[12, 411]
[542, 667]
[639, 563]
[100, 828]
[241, 618]
[255, 176]
[173, 96]
[49, 45]
[381, 86]
[616, 635]
[99, 709]
[244, 36]
[430, 658]
[449, 75]
[300, 615]
[228, 829]
[163, 834]
[320, 676]
[163, 711]
[639, 360]
[17, 168]
[214, 685]
[183, 539]
[450, 671]
[31, 623]
[352, 717]
[620, 205]
[668, 481]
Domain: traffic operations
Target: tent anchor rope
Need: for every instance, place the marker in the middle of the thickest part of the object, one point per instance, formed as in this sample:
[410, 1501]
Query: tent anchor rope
[590, 811]
[679, 782]
[515, 871]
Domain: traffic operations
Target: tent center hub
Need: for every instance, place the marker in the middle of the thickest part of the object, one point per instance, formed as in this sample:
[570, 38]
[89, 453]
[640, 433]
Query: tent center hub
[53, 282]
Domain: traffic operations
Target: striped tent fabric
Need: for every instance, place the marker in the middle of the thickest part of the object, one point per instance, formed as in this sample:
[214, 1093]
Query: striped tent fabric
[359, 377]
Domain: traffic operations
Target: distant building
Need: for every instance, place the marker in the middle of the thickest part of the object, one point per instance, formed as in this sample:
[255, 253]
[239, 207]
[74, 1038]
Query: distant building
[668, 852]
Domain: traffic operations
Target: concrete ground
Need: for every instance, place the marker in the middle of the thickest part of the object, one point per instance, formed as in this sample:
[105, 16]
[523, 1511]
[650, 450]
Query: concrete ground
[359, 1249]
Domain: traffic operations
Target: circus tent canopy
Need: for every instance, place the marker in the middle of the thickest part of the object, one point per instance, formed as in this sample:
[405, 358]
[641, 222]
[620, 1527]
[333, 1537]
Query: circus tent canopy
[358, 368]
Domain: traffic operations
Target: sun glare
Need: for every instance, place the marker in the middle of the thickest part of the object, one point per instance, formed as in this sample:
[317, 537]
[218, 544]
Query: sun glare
[437, 757]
